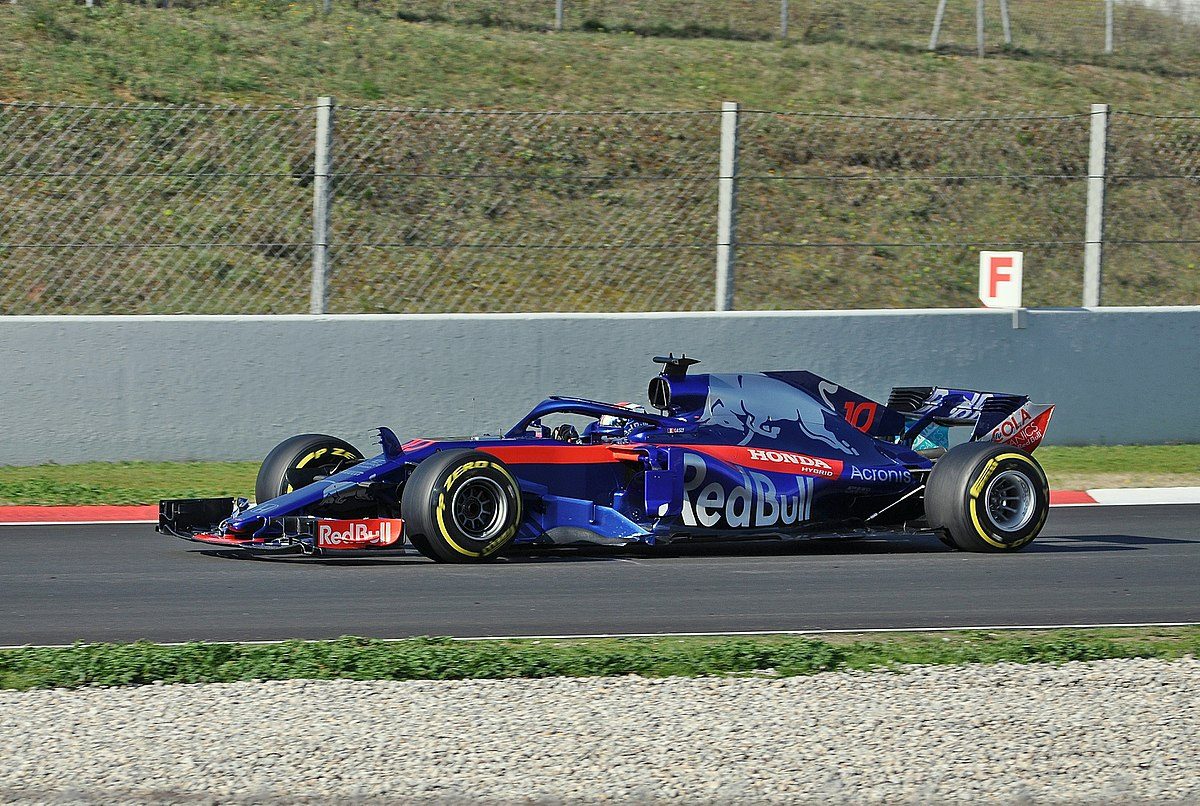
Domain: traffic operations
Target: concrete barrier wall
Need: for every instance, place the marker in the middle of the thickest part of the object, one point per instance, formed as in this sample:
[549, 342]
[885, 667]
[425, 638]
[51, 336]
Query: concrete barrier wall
[78, 389]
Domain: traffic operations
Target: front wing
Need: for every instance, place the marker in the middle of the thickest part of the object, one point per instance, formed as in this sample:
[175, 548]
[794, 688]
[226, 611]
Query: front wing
[204, 520]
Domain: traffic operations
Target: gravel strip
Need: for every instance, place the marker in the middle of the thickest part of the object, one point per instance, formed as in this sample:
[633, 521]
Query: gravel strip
[1120, 730]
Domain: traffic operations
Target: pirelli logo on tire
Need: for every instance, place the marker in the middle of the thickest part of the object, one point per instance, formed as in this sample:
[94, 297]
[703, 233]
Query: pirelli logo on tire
[462, 505]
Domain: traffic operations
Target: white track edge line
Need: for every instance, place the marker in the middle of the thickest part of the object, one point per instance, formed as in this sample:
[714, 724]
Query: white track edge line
[732, 634]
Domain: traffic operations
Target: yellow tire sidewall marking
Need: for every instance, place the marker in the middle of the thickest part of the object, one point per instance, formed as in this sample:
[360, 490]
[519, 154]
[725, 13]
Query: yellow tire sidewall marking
[342, 452]
[988, 470]
[317, 454]
[977, 488]
[440, 509]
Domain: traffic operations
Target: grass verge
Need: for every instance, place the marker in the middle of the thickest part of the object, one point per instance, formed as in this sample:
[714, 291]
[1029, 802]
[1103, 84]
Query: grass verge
[1069, 468]
[447, 659]
[124, 482]
[1090, 467]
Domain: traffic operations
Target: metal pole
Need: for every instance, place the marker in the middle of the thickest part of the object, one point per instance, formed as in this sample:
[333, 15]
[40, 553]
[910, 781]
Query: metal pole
[979, 26]
[937, 24]
[558, 15]
[320, 258]
[90, 3]
[1108, 26]
[328, 6]
[1006, 22]
[727, 206]
[1093, 247]
[783, 18]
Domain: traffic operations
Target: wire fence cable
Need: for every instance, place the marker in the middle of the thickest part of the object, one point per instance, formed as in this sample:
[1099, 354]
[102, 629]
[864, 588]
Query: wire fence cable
[159, 209]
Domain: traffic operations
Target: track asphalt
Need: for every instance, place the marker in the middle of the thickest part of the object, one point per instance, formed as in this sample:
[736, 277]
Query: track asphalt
[122, 582]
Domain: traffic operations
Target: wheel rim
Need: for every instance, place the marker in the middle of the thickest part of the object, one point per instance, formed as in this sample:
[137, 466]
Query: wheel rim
[1010, 501]
[479, 508]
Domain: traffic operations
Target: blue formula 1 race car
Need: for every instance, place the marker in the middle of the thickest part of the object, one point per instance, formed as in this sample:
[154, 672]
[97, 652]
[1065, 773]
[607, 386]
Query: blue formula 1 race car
[740, 455]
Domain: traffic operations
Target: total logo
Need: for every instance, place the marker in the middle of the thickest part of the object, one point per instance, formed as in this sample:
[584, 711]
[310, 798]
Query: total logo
[354, 534]
[754, 501]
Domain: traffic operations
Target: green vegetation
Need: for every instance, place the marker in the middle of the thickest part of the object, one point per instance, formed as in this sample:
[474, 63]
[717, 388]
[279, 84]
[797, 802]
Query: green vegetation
[1098, 466]
[287, 53]
[244, 178]
[124, 482]
[147, 482]
[447, 659]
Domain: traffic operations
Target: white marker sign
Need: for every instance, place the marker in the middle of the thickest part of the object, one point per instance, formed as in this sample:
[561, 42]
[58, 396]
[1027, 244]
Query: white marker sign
[1000, 279]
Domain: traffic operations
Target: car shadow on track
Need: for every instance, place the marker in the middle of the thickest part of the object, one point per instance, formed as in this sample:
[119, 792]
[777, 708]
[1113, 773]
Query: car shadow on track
[899, 544]
[1103, 542]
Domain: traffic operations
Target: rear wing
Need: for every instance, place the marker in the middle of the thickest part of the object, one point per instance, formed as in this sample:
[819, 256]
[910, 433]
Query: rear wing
[910, 410]
[996, 417]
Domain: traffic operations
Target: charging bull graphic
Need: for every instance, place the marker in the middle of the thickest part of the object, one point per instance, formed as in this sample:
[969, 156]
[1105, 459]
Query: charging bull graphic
[757, 405]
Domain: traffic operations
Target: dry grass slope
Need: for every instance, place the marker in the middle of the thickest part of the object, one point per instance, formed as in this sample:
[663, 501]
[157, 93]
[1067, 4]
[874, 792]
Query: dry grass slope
[631, 199]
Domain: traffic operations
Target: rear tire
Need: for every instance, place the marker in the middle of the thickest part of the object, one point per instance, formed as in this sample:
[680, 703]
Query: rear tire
[301, 460]
[461, 506]
[987, 496]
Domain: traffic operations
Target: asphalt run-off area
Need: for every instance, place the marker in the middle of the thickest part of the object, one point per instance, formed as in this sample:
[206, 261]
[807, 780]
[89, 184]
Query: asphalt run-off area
[123, 582]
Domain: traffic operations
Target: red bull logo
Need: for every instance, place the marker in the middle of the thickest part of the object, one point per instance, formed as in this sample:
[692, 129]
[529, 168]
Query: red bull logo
[349, 534]
[753, 501]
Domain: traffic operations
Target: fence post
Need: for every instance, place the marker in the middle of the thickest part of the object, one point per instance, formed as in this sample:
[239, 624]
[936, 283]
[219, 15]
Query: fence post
[320, 257]
[558, 15]
[1093, 247]
[727, 206]
[1006, 22]
[1108, 26]
[979, 26]
[937, 24]
[783, 18]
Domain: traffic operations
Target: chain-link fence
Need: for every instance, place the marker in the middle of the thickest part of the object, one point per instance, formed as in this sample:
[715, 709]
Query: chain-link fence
[1153, 210]
[211, 210]
[154, 209]
[1160, 35]
[437, 211]
[892, 211]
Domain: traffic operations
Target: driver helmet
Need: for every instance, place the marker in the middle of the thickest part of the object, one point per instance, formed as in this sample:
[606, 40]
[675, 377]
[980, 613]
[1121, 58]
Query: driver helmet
[612, 421]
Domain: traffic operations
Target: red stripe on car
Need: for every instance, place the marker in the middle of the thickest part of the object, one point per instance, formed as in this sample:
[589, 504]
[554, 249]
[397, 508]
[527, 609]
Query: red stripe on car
[551, 454]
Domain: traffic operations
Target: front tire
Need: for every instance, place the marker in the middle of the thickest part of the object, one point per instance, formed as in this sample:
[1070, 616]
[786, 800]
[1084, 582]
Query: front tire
[461, 506]
[986, 497]
[301, 460]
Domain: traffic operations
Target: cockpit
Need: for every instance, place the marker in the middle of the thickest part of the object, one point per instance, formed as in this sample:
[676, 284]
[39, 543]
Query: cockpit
[577, 421]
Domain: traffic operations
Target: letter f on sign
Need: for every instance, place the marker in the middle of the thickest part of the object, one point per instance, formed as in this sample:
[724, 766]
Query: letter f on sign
[995, 265]
[1000, 276]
